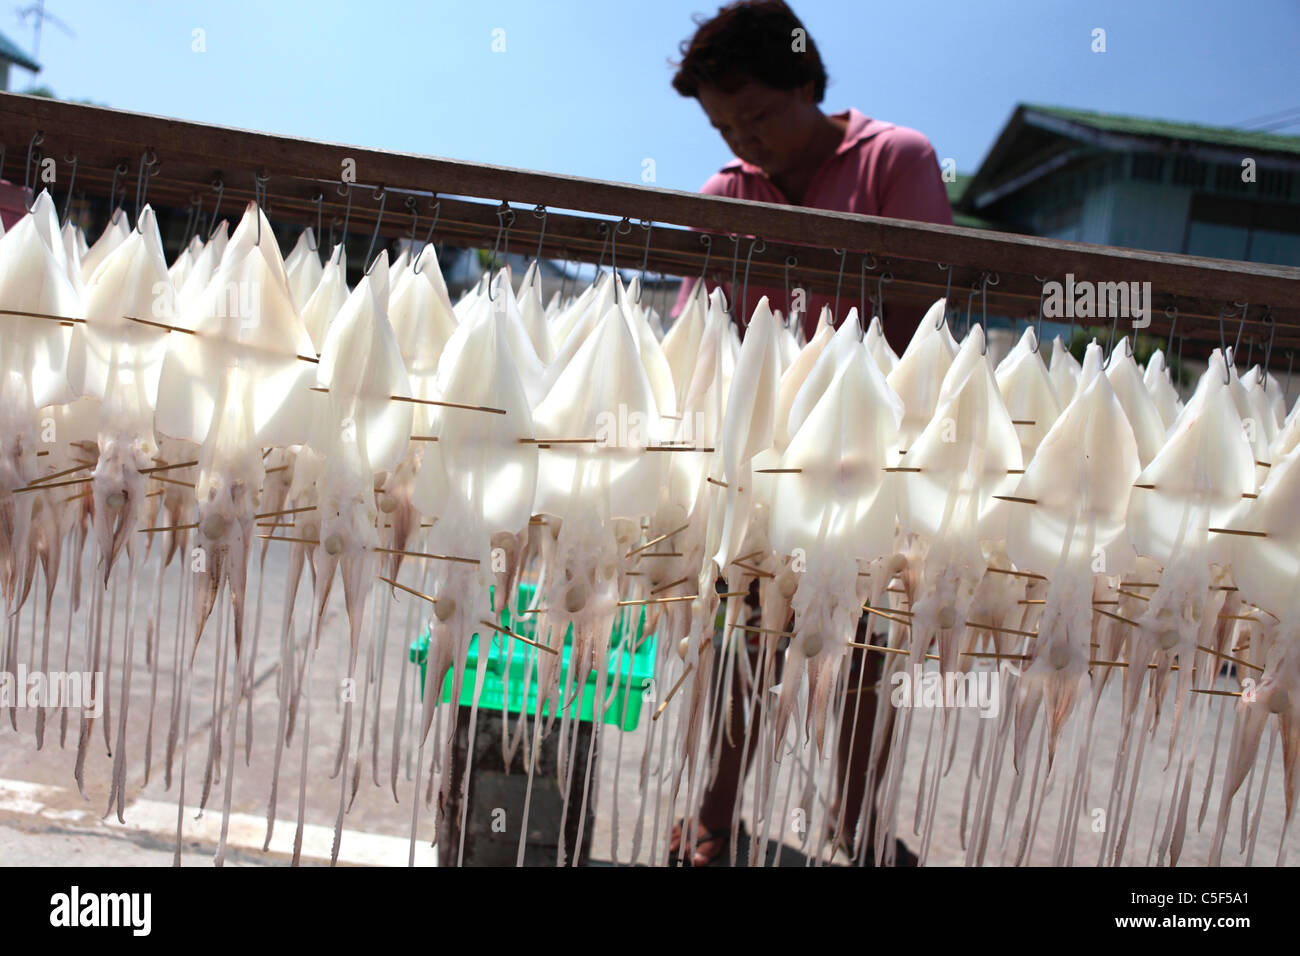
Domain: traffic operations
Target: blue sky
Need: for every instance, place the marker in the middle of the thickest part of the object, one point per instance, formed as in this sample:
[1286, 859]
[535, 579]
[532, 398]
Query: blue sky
[583, 85]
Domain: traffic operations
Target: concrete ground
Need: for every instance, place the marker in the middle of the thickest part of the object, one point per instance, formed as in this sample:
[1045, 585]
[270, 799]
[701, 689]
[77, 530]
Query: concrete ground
[45, 821]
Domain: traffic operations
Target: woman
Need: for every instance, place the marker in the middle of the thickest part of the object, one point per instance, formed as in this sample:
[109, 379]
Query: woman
[758, 76]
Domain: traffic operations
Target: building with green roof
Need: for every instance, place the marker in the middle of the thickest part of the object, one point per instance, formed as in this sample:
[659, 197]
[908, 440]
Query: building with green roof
[1141, 183]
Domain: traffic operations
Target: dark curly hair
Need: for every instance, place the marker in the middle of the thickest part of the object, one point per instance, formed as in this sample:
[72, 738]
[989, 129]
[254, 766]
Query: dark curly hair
[749, 40]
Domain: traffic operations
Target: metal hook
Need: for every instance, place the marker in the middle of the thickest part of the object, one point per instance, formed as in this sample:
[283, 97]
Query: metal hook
[883, 279]
[382, 194]
[947, 291]
[1110, 342]
[437, 211]
[1290, 362]
[755, 245]
[970, 312]
[984, 308]
[347, 214]
[1173, 322]
[260, 179]
[220, 186]
[862, 288]
[1268, 350]
[789, 261]
[1223, 346]
[842, 253]
[735, 263]
[318, 199]
[411, 203]
[145, 171]
[37, 139]
[1245, 307]
[539, 211]
[503, 211]
[1038, 325]
[649, 226]
[613, 251]
[72, 181]
[707, 240]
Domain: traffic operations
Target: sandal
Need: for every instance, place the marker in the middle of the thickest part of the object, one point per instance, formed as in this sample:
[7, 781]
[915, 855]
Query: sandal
[719, 836]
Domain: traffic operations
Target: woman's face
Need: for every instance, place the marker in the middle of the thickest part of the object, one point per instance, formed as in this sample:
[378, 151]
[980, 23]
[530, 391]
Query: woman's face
[766, 127]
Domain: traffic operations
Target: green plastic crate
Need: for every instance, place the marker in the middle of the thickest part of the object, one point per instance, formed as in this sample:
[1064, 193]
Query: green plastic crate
[497, 683]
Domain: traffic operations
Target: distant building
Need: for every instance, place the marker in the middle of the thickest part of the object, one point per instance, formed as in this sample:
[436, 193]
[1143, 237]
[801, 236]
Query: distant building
[12, 55]
[1141, 183]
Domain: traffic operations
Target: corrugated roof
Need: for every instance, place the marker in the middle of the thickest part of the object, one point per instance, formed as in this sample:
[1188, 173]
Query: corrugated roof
[11, 51]
[1193, 132]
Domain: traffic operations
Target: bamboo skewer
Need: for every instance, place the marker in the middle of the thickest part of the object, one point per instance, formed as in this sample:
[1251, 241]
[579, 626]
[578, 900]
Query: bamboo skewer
[653, 541]
[526, 640]
[166, 467]
[59, 474]
[53, 484]
[174, 527]
[681, 680]
[286, 511]
[430, 401]
[754, 570]
[435, 557]
[403, 587]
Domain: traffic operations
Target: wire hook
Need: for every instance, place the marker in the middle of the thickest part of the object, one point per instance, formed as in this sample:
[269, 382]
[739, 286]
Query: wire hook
[1038, 325]
[318, 199]
[1223, 346]
[72, 181]
[1173, 322]
[881, 281]
[648, 225]
[37, 139]
[842, 253]
[755, 245]
[437, 211]
[145, 171]
[947, 292]
[504, 214]
[260, 180]
[1268, 350]
[862, 289]
[539, 211]
[707, 241]
[613, 251]
[382, 195]
[789, 305]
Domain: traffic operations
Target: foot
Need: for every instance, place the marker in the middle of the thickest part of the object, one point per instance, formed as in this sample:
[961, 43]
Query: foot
[709, 846]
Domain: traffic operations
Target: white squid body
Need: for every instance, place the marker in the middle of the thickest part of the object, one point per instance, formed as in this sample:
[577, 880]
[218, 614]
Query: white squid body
[119, 362]
[33, 358]
[235, 386]
[837, 513]
[1199, 476]
[359, 432]
[1266, 570]
[918, 376]
[968, 453]
[1080, 479]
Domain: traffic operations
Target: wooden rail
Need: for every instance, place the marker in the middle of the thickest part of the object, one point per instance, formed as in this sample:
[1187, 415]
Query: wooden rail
[816, 249]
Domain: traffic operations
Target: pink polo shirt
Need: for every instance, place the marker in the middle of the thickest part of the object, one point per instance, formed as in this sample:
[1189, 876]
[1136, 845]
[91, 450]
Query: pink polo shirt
[878, 170]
